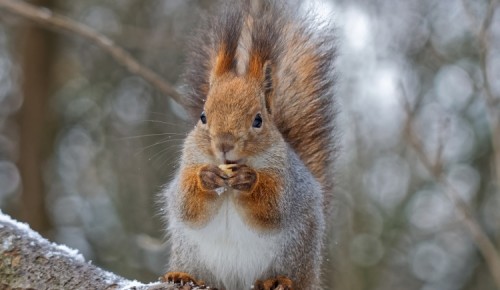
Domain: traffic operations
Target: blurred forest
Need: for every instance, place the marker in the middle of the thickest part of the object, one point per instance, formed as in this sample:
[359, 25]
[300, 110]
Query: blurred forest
[86, 146]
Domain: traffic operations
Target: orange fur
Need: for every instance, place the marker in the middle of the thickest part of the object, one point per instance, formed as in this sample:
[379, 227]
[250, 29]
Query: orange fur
[255, 67]
[224, 62]
[180, 277]
[280, 282]
[259, 205]
[199, 204]
[231, 106]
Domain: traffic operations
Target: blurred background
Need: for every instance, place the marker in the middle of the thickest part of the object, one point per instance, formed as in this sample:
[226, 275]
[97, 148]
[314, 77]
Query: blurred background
[86, 146]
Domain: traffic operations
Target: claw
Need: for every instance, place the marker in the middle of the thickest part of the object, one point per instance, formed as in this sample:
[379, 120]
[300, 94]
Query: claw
[278, 283]
[179, 277]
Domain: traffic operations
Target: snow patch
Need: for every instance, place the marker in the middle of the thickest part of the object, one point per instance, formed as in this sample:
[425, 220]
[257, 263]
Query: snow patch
[71, 252]
[7, 243]
[7, 219]
[136, 284]
[39, 239]
[131, 284]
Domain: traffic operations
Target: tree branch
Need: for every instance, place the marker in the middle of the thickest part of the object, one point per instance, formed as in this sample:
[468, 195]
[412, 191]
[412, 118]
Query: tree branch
[53, 21]
[27, 261]
[491, 100]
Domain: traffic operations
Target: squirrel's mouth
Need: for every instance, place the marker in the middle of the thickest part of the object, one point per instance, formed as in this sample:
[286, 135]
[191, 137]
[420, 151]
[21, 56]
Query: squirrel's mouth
[226, 161]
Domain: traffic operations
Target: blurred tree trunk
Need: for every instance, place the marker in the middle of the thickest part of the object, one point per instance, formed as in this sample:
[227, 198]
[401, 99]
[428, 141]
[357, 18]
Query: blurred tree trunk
[35, 59]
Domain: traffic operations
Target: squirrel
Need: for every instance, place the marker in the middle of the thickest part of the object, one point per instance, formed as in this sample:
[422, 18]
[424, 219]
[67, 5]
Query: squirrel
[247, 207]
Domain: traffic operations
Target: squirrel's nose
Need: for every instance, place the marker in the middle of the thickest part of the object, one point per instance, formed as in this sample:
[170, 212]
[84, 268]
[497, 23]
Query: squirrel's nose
[225, 147]
[224, 142]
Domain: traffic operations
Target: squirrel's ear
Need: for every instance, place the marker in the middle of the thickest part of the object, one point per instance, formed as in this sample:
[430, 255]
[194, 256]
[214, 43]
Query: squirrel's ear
[263, 71]
[227, 32]
[268, 86]
[224, 62]
[263, 52]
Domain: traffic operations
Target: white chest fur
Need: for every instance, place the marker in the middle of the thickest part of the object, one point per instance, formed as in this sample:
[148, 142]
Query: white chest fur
[236, 254]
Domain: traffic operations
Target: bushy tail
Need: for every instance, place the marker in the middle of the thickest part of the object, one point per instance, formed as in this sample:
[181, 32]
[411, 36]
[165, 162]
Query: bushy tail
[302, 58]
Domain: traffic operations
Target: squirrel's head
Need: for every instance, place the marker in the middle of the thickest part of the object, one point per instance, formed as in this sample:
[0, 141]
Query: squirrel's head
[237, 120]
[237, 117]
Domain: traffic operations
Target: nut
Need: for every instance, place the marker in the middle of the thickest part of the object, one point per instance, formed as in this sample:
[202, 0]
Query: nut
[228, 169]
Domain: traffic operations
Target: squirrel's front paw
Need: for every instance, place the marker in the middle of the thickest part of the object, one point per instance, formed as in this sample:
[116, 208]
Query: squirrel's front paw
[278, 283]
[180, 277]
[243, 178]
[212, 177]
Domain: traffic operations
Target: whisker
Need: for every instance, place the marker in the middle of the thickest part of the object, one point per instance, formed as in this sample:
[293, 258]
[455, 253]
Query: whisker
[181, 124]
[167, 163]
[159, 121]
[166, 114]
[163, 141]
[160, 152]
[151, 135]
[173, 161]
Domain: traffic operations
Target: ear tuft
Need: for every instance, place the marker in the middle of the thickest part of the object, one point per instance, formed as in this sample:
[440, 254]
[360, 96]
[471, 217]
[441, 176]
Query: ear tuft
[268, 85]
[266, 45]
[226, 37]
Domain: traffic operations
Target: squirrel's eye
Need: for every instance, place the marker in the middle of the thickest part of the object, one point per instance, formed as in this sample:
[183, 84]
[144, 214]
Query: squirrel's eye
[203, 117]
[257, 122]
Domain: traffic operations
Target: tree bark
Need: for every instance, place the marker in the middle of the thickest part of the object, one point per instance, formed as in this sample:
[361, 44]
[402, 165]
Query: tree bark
[28, 261]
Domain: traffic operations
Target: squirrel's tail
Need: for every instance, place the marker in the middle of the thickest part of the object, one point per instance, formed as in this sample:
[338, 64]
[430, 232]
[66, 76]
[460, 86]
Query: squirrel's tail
[299, 52]
[305, 104]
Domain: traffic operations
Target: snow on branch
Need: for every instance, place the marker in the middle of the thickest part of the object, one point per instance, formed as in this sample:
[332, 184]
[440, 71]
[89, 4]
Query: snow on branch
[28, 261]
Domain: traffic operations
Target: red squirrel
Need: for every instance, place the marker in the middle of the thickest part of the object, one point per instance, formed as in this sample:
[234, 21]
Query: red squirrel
[248, 205]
